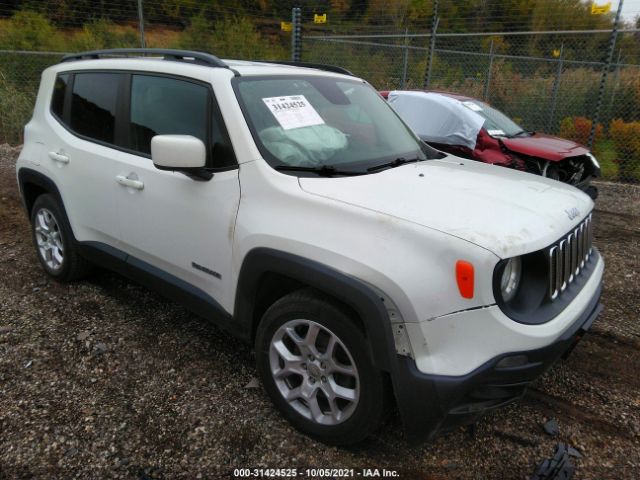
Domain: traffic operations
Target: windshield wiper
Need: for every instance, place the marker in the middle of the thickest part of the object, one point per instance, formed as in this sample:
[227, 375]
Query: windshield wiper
[395, 163]
[521, 132]
[323, 170]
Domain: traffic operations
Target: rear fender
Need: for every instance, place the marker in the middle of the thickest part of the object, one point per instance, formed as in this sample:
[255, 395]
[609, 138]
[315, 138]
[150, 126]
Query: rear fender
[28, 177]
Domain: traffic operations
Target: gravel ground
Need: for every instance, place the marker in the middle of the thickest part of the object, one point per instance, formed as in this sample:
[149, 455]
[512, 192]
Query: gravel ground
[105, 379]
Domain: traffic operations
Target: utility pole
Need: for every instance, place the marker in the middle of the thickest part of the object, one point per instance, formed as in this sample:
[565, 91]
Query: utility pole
[603, 78]
[143, 44]
[296, 34]
[487, 82]
[405, 60]
[556, 89]
[432, 44]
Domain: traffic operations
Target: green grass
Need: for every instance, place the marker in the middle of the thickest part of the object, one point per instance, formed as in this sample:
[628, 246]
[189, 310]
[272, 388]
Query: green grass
[606, 155]
[16, 107]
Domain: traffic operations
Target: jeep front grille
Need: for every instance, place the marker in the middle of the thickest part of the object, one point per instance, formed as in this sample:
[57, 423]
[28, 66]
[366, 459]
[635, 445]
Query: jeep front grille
[568, 256]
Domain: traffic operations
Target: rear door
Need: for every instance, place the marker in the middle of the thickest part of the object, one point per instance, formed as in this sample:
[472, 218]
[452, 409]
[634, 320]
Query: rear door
[80, 153]
[181, 226]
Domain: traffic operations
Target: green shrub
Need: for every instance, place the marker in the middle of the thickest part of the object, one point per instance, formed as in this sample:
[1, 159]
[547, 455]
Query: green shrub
[234, 38]
[23, 70]
[198, 35]
[102, 33]
[578, 129]
[626, 138]
[607, 159]
[28, 30]
[16, 107]
[238, 38]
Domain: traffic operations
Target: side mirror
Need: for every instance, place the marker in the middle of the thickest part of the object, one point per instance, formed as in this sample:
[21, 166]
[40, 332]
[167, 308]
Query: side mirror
[178, 152]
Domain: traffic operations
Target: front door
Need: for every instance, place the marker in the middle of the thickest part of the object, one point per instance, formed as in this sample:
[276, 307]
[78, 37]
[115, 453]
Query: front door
[182, 227]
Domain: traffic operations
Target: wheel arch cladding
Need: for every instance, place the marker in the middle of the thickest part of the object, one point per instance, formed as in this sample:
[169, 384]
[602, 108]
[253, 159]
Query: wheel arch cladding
[265, 264]
[33, 184]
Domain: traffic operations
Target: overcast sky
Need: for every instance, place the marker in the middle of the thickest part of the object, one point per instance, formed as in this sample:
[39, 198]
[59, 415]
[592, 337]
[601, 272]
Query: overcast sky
[630, 8]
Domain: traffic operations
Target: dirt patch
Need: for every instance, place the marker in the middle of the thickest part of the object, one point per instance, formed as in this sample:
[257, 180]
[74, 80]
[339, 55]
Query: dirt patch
[104, 378]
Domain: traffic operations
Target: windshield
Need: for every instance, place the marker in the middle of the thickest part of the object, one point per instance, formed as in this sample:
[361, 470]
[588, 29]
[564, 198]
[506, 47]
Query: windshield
[310, 121]
[496, 123]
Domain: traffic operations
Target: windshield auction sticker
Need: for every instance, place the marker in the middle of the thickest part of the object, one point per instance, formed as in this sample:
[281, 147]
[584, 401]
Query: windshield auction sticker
[293, 111]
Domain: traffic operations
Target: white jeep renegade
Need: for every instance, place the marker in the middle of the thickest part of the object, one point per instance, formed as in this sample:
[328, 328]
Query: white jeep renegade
[294, 208]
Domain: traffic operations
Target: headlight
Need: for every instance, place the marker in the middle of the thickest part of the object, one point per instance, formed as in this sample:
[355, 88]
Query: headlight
[511, 276]
[593, 160]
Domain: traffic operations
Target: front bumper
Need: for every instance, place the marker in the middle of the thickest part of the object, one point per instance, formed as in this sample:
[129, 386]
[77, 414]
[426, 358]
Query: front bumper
[429, 403]
[586, 187]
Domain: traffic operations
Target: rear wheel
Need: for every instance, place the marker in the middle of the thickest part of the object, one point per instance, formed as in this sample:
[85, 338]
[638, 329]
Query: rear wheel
[314, 364]
[55, 246]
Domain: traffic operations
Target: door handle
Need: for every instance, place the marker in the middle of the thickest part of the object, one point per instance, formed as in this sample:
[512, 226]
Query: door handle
[58, 157]
[127, 182]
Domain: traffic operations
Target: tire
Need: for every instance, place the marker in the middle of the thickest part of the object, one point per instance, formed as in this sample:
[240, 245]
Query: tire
[315, 372]
[55, 245]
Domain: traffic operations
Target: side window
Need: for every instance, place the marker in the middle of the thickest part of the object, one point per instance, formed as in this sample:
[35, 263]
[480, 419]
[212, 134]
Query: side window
[93, 105]
[59, 94]
[162, 106]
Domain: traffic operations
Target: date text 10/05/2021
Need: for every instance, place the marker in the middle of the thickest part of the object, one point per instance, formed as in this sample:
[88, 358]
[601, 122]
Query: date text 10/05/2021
[315, 473]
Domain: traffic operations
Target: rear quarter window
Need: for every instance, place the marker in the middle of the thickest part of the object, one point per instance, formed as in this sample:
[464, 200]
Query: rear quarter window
[93, 105]
[59, 94]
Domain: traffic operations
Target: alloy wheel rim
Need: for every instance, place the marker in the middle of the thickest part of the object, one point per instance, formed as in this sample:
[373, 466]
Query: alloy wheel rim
[314, 372]
[49, 239]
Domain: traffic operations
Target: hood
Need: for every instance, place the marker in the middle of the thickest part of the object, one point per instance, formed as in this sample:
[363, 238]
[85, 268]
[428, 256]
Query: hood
[503, 210]
[544, 146]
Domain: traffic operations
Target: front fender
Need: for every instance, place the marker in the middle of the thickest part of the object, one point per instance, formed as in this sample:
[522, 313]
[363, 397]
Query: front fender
[348, 290]
[365, 302]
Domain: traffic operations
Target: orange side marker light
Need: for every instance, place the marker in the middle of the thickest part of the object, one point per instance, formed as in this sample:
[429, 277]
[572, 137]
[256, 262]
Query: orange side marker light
[464, 277]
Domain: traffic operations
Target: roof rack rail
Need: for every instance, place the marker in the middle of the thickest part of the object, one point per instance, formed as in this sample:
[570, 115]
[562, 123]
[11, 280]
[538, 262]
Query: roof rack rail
[167, 54]
[318, 66]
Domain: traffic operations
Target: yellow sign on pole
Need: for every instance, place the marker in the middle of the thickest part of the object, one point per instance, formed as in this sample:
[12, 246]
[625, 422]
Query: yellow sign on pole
[319, 18]
[600, 9]
[556, 53]
[286, 26]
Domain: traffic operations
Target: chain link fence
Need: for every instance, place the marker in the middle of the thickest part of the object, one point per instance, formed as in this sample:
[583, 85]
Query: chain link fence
[37, 34]
[546, 81]
[19, 80]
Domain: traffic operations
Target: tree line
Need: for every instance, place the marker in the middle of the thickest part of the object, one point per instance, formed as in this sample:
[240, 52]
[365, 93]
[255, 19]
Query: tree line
[455, 16]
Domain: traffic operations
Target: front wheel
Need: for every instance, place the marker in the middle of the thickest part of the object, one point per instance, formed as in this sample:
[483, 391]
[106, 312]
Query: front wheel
[313, 362]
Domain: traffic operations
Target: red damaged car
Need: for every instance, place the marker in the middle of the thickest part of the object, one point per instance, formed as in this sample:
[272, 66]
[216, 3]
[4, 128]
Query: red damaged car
[470, 128]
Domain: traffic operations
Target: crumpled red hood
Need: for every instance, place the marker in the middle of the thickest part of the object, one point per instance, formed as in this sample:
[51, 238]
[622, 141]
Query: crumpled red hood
[544, 146]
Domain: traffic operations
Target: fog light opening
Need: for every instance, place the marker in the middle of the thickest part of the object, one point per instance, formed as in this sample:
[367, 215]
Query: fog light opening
[512, 361]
